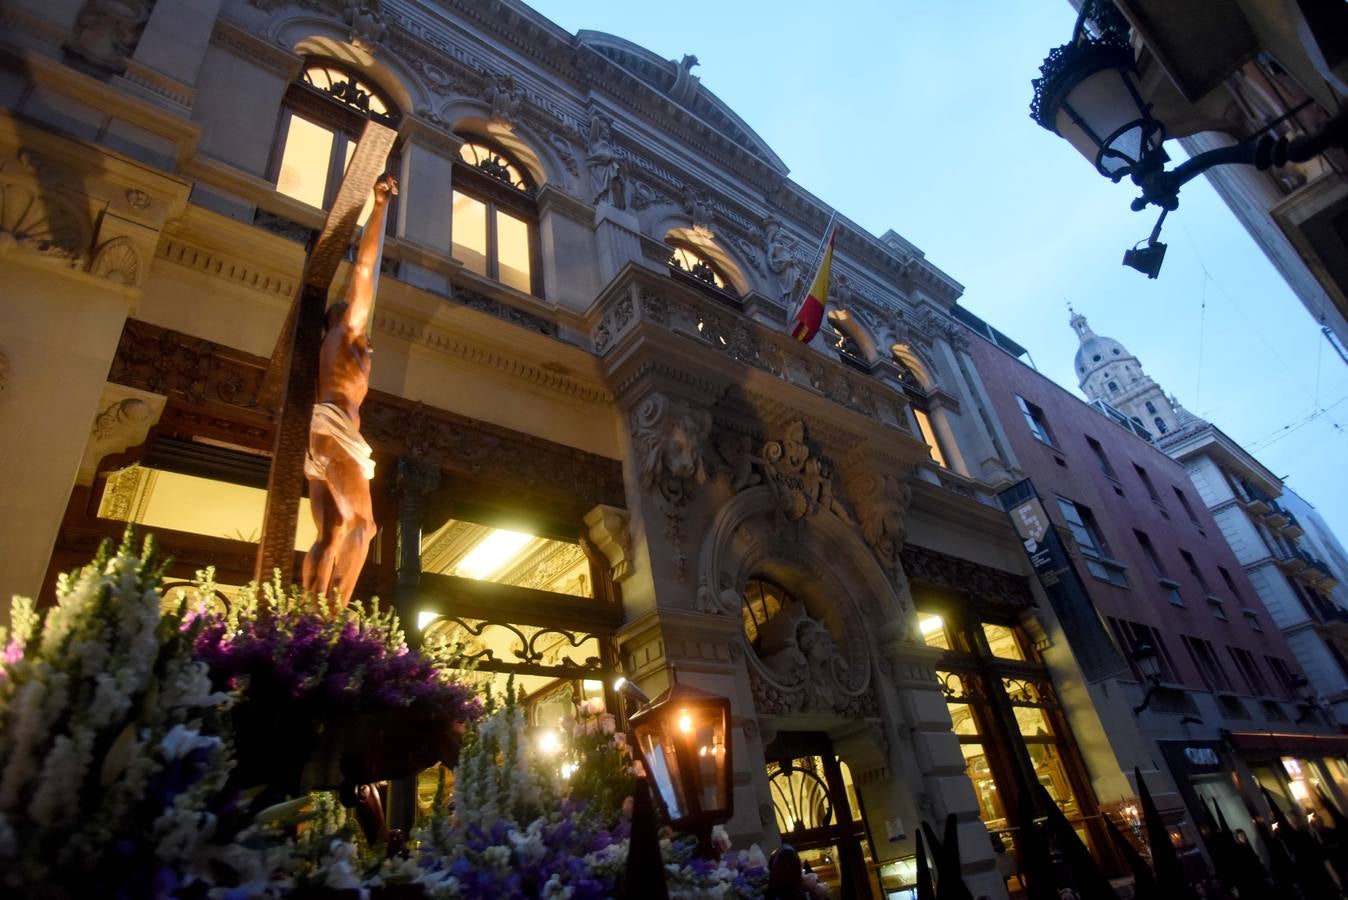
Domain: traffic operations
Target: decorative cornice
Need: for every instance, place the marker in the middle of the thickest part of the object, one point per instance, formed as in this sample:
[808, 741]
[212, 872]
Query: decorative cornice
[214, 264]
[984, 584]
[273, 58]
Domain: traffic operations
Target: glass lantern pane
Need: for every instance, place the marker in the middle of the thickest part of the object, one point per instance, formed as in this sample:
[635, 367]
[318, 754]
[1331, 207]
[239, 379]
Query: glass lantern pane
[662, 764]
[1103, 102]
[705, 729]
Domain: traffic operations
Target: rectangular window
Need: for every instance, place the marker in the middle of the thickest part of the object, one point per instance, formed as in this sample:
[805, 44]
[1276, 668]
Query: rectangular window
[1170, 585]
[1192, 565]
[1101, 458]
[1131, 635]
[1034, 419]
[929, 437]
[1249, 671]
[1252, 619]
[1230, 584]
[1205, 660]
[512, 251]
[305, 161]
[1282, 677]
[1151, 489]
[1094, 550]
[1184, 502]
[470, 233]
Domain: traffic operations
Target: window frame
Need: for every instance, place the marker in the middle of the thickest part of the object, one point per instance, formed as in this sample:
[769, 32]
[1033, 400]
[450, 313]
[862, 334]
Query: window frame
[1208, 665]
[344, 120]
[1105, 465]
[1036, 421]
[1095, 550]
[498, 197]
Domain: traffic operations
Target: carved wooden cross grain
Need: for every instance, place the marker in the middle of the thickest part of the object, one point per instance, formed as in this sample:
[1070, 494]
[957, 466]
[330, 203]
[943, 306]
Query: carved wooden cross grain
[292, 377]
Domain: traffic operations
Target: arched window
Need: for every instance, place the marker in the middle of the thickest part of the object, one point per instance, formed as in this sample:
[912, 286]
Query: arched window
[686, 262]
[1151, 407]
[495, 222]
[1113, 387]
[1160, 425]
[324, 112]
[762, 601]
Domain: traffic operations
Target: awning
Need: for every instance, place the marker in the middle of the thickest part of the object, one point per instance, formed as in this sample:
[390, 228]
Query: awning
[1287, 744]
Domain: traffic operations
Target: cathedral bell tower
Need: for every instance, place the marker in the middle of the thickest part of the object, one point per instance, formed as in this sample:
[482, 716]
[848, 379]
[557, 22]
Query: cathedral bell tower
[1107, 371]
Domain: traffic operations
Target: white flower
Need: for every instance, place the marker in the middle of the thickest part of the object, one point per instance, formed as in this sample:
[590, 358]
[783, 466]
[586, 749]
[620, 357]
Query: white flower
[182, 740]
[756, 857]
[720, 839]
[555, 890]
[497, 856]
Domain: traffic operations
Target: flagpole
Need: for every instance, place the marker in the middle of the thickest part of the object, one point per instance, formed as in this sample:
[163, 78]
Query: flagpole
[814, 266]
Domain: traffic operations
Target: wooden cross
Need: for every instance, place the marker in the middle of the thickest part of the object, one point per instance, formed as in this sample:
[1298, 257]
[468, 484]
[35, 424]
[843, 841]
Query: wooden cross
[292, 378]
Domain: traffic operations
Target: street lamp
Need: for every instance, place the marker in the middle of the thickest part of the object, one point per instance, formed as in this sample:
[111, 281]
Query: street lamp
[1149, 664]
[683, 739]
[1088, 94]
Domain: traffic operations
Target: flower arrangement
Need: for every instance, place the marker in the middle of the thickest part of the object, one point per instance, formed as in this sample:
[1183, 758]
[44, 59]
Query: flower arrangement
[119, 761]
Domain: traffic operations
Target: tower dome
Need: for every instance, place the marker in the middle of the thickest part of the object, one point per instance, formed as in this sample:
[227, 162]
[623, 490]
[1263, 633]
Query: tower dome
[1107, 371]
[1096, 352]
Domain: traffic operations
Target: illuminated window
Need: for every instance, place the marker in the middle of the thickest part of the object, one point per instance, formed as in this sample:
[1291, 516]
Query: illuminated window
[494, 216]
[929, 437]
[762, 601]
[321, 122]
[689, 262]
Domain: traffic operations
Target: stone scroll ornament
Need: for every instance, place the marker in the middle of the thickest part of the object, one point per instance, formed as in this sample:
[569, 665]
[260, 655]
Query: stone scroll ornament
[880, 500]
[669, 437]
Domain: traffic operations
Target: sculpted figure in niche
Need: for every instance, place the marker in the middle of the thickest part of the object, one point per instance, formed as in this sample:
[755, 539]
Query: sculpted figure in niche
[821, 656]
[107, 31]
[339, 464]
[605, 171]
[782, 259]
[799, 651]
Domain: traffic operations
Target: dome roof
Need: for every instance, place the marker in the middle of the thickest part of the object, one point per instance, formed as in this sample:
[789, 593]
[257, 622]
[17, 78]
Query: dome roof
[1095, 351]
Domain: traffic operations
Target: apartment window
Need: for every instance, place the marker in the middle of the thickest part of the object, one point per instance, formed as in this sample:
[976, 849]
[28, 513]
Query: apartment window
[1151, 488]
[1132, 635]
[1184, 502]
[1230, 584]
[321, 121]
[1094, 550]
[1192, 565]
[1205, 659]
[1282, 676]
[1034, 419]
[928, 434]
[1245, 664]
[1101, 458]
[494, 216]
[1149, 551]
[1252, 619]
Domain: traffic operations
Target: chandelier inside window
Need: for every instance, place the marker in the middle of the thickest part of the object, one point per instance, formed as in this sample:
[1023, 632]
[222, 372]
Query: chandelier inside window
[491, 163]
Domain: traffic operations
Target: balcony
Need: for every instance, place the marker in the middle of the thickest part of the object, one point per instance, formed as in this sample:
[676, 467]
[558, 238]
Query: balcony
[1276, 516]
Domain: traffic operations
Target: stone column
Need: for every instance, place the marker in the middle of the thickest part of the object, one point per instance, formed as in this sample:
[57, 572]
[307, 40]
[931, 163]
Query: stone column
[425, 205]
[171, 51]
[929, 746]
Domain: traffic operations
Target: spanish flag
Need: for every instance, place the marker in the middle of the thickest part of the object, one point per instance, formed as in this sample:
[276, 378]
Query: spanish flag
[811, 313]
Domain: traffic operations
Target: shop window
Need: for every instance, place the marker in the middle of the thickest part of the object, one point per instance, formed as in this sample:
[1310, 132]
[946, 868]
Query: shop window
[320, 126]
[495, 216]
[1035, 421]
[1003, 641]
[1091, 543]
[505, 556]
[928, 434]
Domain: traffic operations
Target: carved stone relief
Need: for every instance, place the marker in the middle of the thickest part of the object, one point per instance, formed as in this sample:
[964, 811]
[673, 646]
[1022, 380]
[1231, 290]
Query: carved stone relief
[44, 224]
[798, 666]
[783, 258]
[106, 31]
[125, 418]
[609, 530]
[118, 260]
[505, 98]
[880, 500]
[669, 435]
[802, 482]
[367, 21]
[607, 180]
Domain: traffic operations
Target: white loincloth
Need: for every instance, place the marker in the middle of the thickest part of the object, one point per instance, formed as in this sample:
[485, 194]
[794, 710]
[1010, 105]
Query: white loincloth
[331, 421]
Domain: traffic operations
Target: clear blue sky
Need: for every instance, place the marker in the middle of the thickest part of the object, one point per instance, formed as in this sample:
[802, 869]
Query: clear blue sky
[913, 115]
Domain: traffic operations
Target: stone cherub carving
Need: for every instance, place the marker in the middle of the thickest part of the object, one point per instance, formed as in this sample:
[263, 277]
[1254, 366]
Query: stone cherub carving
[606, 174]
[803, 483]
[783, 260]
[669, 435]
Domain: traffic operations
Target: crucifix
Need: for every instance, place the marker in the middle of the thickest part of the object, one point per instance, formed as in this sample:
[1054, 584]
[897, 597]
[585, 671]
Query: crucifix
[318, 376]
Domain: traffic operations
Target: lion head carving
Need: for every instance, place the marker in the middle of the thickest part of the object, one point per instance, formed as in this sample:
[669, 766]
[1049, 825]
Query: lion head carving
[669, 436]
